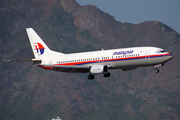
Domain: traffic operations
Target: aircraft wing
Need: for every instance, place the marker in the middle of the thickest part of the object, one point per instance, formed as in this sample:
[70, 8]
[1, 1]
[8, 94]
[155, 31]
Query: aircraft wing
[67, 68]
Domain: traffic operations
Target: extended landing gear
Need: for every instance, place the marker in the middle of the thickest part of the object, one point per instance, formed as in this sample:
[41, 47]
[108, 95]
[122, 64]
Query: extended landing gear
[157, 66]
[107, 74]
[156, 70]
[90, 77]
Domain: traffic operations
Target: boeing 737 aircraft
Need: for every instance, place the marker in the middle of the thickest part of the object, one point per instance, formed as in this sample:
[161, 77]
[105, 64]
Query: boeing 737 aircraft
[96, 62]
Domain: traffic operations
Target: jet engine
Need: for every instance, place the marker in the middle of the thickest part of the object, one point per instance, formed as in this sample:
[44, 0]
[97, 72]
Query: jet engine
[99, 69]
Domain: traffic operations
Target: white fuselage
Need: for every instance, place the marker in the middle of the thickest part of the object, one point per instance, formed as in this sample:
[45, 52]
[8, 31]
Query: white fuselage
[96, 62]
[115, 58]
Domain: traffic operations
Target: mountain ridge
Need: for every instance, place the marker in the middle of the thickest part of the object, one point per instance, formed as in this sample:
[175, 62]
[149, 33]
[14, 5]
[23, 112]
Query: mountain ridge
[38, 94]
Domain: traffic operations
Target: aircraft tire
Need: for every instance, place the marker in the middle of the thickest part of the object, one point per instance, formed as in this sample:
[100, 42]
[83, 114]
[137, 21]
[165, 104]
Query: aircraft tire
[90, 77]
[157, 70]
[107, 74]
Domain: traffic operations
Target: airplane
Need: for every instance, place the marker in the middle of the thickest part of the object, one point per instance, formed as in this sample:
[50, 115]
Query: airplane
[94, 62]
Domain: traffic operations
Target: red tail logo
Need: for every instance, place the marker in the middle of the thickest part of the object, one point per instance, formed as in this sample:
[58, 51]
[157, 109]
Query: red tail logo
[39, 48]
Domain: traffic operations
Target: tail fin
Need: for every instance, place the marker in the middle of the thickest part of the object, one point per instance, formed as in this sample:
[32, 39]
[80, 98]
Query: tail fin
[39, 48]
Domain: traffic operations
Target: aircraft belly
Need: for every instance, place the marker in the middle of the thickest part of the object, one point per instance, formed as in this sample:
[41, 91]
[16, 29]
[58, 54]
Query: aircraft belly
[139, 62]
[71, 70]
[124, 64]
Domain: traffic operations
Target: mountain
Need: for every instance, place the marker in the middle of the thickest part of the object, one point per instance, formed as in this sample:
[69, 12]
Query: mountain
[28, 92]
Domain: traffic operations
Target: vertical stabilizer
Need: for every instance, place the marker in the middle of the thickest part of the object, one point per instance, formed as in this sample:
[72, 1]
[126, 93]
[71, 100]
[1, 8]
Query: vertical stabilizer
[39, 48]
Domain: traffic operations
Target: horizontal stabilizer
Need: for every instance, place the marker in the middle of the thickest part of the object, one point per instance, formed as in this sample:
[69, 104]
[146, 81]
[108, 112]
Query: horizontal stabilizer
[34, 61]
[22, 60]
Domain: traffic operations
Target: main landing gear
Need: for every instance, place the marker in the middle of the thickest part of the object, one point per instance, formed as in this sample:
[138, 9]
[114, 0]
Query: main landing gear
[107, 74]
[91, 77]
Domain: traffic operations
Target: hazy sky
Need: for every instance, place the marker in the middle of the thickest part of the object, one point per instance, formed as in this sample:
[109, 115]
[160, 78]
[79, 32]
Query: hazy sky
[137, 11]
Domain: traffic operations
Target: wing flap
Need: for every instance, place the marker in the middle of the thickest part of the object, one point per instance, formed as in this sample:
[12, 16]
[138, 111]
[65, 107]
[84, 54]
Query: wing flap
[67, 68]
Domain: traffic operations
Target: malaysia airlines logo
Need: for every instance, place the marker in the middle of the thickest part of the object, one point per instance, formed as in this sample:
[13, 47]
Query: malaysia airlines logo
[123, 52]
[39, 48]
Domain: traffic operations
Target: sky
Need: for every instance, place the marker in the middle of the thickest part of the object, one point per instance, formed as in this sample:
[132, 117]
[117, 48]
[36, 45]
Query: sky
[137, 11]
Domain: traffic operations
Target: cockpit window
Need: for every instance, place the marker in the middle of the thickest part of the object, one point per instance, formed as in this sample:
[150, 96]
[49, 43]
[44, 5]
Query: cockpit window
[162, 50]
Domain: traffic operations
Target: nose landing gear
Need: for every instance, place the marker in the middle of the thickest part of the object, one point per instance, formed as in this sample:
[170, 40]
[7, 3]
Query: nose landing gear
[157, 66]
[156, 70]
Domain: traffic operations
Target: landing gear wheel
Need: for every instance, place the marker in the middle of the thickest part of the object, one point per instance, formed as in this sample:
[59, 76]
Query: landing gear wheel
[90, 77]
[157, 70]
[107, 74]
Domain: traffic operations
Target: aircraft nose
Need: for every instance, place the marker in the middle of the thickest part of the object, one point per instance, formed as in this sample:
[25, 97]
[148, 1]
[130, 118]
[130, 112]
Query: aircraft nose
[170, 56]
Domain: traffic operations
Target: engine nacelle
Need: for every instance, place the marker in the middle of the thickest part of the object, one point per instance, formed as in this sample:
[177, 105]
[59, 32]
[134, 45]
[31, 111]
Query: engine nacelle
[99, 69]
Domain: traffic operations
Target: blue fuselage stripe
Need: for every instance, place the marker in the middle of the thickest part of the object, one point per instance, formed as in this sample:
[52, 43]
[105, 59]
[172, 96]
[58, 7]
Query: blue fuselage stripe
[123, 59]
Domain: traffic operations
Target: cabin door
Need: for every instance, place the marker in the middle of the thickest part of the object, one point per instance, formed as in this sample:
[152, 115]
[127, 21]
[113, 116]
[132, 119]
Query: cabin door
[147, 54]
